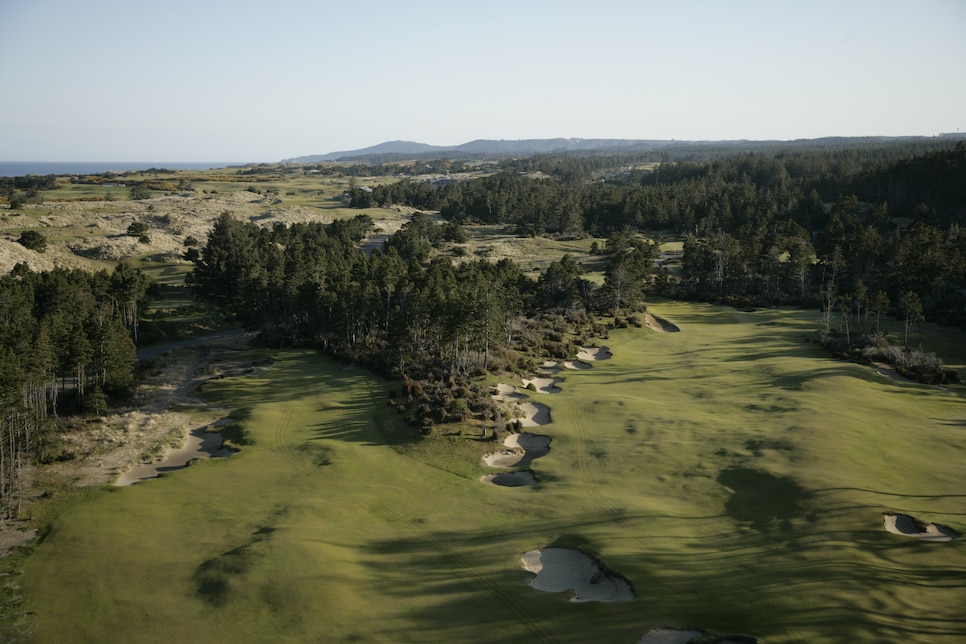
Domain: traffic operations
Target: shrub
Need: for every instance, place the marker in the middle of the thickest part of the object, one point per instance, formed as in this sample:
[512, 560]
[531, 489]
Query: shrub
[33, 240]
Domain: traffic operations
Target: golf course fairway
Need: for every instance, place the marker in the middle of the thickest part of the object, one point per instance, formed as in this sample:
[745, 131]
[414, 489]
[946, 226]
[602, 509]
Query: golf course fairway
[733, 474]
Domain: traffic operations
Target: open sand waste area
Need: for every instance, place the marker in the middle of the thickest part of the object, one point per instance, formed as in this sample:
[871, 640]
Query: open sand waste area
[201, 442]
[570, 571]
[909, 526]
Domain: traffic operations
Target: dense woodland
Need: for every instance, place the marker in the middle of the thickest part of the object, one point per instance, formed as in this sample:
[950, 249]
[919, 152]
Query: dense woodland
[857, 233]
[66, 345]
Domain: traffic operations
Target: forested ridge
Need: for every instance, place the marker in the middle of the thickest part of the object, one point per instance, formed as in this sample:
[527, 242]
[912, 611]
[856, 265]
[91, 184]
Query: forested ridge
[759, 228]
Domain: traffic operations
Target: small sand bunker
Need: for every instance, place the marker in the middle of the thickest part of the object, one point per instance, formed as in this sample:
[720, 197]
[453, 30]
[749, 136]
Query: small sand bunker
[567, 570]
[659, 324]
[544, 385]
[511, 479]
[593, 354]
[579, 365]
[537, 443]
[668, 635]
[909, 526]
[534, 414]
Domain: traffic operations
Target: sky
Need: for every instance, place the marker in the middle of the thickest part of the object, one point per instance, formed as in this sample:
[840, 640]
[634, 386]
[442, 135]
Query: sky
[243, 81]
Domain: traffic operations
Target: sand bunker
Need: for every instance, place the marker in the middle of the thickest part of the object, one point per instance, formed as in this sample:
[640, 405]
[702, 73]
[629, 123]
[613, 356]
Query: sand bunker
[577, 364]
[534, 414]
[523, 448]
[571, 571]
[668, 635]
[544, 385]
[593, 354]
[659, 324]
[507, 393]
[199, 444]
[511, 479]
[909, 526]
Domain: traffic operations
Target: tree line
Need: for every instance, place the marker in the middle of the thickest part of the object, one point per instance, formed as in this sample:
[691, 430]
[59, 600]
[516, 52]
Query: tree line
[66, 345]
[762, 228]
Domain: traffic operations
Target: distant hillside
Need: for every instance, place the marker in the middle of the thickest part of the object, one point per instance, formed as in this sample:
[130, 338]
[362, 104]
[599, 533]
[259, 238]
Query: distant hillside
[396, 150]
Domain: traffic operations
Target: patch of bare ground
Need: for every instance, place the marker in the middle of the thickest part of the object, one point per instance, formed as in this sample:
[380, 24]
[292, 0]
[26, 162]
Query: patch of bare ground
[160, 417]
[82, 233]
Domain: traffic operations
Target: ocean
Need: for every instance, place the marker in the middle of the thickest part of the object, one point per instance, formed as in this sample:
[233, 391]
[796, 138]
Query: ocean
[23, 168]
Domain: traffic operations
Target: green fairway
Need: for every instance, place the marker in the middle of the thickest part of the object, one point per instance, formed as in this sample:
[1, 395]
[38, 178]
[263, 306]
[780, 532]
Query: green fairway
[732, 472]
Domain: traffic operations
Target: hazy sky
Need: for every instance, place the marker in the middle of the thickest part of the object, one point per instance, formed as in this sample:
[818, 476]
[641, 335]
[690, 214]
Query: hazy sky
[234, 80]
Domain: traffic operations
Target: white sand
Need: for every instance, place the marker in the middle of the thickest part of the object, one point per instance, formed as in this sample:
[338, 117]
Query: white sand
[529, 442]
[571, 571]
[511, 479]
[199, 444]
[593, 354]
[579, 365]
[544, 385]
[506, 393]
[506, 458]
[534, 414]
[522, 449]
[908, 526]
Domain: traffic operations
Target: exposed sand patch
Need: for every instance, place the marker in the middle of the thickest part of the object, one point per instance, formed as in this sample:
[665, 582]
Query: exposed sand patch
[659, 324]
[908, 526]
[506, 458]
[505, 393]
[199, 443]
[534, 414]
[522, 449]
[544, 385]
[579, 365]
[511, 479]
[529, 442]
[593, 354]
[571, 571]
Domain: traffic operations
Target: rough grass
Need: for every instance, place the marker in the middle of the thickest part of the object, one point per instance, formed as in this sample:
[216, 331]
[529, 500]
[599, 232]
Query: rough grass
[732, 472]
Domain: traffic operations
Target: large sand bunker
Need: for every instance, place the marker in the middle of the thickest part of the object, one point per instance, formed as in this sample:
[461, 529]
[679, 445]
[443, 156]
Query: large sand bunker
[593, 354]
[566, 570]
[511, 479]
[909, 526]
[668, 635]
[523, 448]
[505, 393]
[200, 443]
[659, 324]
[544, 385]
[534, 414]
